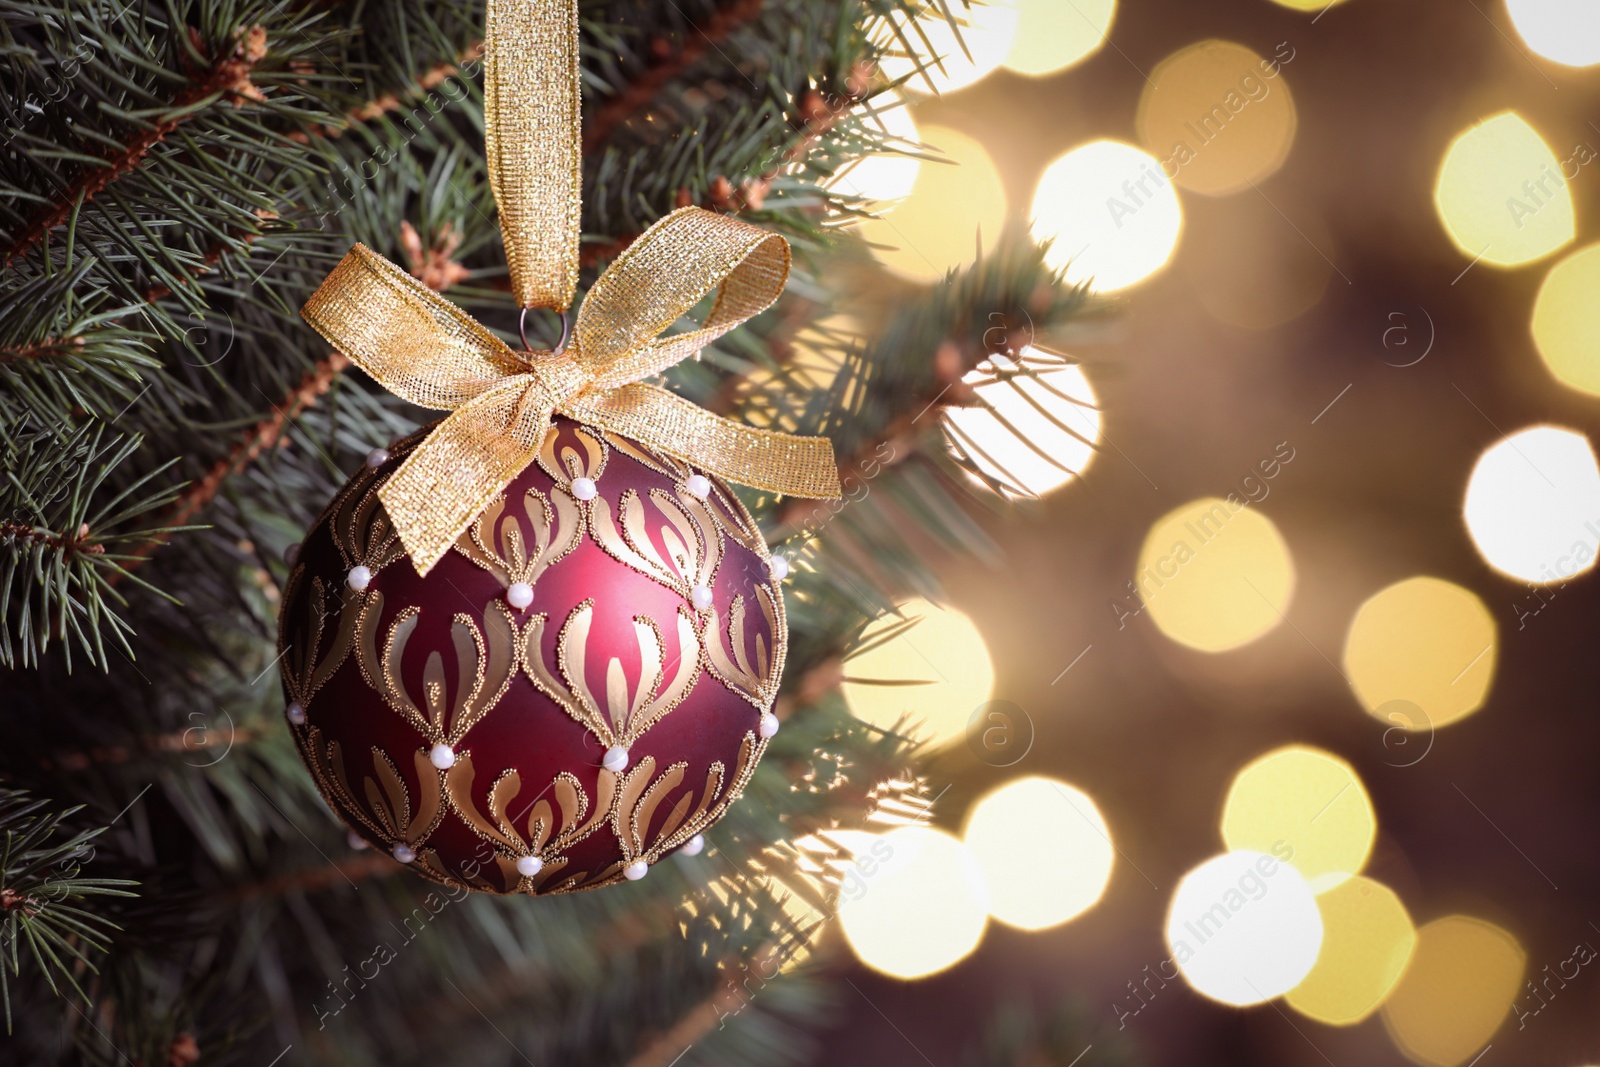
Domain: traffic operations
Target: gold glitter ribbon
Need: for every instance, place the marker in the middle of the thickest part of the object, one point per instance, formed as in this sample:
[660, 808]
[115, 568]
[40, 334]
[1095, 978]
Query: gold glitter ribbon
[423, 348]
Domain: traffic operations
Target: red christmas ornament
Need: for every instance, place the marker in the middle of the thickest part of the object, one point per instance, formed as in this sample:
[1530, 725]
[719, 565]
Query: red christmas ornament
[580, 687]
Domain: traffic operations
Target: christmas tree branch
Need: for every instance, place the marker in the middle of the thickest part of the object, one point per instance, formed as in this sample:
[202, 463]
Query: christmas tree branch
[259, 438]
[637, 95]
[228, 75]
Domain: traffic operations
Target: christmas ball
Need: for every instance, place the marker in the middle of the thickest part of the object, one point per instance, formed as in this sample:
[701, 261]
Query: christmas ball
[580, 687]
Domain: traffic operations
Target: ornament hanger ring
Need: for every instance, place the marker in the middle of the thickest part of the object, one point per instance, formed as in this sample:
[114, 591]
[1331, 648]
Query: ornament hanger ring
[566, 331]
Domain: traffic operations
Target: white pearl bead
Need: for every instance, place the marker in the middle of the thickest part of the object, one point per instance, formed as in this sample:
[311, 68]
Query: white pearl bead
[616, 760]
[528, 866]
[694, 846]
[356, 841]
[778, 567]
[768, 725]
[636, 870]
[358, 578]
[584, 488]
[403, 852]
[291, 555]
[296, 713]
[699, 485]
[377, 458]
[700, 595]
[520, 595]
[442, 756]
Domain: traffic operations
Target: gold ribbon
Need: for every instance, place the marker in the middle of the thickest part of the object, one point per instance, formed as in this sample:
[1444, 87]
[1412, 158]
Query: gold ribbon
[422, 347]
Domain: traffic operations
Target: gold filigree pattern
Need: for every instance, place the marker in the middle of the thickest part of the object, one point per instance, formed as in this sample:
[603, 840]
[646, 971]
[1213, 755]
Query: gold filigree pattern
[385, 804]
[484, 659]
[641, 794]
[757, 680]
[360, 526]
[692, 538]
[496, 543]
[588, 460]
[625, 715]
[303, 672]
[728, 511]
[553, 823]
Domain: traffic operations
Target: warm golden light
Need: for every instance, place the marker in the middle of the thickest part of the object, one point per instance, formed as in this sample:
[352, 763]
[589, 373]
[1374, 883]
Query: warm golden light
[938, 649]
[1214, 574]
[953, 57]
[919, 906]
[1031, 432]
[1501, 194]
[1367, 940]
[1533, 505]
[1053, 35]
[952, 207]
[1045, 850]
[1457, 991]
[1566, 320]
[1111, 216]
[1565, 31]
[1306, 806]
[1307, 5]
[885, 177]
[1424, 641]
[1218, 116]
[1244, 928]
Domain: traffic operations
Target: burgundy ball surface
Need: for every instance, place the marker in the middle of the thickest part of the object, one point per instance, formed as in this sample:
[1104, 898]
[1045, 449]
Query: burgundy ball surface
[478, 732]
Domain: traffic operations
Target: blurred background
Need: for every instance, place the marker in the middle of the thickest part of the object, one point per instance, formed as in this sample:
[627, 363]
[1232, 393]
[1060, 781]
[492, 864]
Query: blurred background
[1271, 740]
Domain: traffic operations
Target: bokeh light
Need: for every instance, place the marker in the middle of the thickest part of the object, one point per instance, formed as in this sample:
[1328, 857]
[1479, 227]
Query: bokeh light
[1215, 119]
[1307, 5]
[1533, 505]
[953, 57]
[952, 205]
[920, 905]
[1045, 851]
[938, 649]
[1566, 320]
[1033, 432]
[1501, 194]
[885, 177]
[1367, 940]
[1111, 215]
[1244, 928]
[1213, 575]
[1566, 31]
[1456, 992]
[1053, 34]
[1305, 806]
[1424, 641]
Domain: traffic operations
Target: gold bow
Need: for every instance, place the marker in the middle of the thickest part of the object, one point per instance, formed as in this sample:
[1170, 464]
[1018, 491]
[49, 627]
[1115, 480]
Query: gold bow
[422, 347]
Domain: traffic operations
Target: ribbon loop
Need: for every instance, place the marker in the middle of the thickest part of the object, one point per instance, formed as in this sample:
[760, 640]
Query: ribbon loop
[660, 278]
[417, 345]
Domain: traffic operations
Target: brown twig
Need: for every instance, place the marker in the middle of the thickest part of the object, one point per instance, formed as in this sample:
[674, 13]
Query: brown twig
[258, 439]
[46, 349]
[228, 75]
[693, 1025]
[638, 94]
[379, 106]
[61, 542]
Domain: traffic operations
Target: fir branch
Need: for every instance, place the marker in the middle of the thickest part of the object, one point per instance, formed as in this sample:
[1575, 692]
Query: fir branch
[637, 95]
[41, 892]
[258, 439]
[228, 75]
